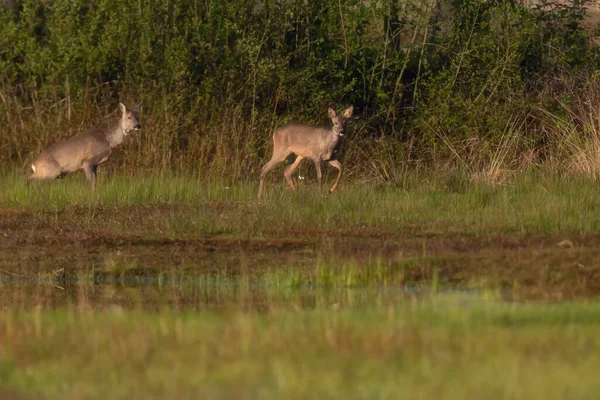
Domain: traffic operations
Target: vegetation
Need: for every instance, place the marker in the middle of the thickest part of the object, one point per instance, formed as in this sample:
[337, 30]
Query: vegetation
[438, 348]
[536, 238]
[492, 86]
[533, 204]
[458, 258]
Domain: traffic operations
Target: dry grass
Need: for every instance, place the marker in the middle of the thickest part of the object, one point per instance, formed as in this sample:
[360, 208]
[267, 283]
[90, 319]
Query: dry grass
[573, 145]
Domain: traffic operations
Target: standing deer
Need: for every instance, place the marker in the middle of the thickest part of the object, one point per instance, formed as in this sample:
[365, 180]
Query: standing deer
[85, 151]
[307, 141]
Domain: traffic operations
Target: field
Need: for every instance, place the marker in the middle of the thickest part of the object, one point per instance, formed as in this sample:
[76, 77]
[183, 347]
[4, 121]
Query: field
[458, 259]
[178, 287]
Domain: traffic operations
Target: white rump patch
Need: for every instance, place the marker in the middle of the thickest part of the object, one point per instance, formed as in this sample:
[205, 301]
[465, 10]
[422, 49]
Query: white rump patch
[33, 168]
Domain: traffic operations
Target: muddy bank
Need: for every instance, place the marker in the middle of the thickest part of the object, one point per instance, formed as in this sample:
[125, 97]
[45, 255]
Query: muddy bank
[63, 245]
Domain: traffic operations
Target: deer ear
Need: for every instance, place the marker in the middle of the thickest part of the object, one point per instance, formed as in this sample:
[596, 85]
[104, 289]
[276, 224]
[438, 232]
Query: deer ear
[138, 108]
[348, 111]
[123, 107]
[331, 112]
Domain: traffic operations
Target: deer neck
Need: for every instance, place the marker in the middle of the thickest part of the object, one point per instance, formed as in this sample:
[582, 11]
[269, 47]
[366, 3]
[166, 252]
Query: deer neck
[115, 136]
[332, 138]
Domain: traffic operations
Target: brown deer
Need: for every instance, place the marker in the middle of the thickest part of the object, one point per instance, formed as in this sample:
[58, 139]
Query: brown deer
[306, 141]
[85, 151]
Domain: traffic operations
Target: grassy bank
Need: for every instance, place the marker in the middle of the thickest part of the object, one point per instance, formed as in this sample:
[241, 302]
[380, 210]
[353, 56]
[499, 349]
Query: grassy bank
[536, 236]
[437, 349]
[185, 206]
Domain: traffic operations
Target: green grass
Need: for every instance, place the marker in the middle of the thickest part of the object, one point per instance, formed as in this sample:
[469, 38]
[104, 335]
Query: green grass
[440, 349]
[171, 286]
[530, 204]
[432, 231]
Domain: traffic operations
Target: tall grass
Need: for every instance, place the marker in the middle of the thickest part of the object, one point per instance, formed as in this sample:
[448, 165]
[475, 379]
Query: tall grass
[437, 84]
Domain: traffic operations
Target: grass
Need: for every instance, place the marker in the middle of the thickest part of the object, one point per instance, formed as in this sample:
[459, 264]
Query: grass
[535, 237]
[532, 203]
[434, 349]
[172, 286]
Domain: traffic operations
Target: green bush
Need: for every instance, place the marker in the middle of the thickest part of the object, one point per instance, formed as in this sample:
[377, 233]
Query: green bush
[217, 76]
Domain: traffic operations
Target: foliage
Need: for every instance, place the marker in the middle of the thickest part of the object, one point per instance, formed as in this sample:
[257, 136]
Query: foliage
[216, 77]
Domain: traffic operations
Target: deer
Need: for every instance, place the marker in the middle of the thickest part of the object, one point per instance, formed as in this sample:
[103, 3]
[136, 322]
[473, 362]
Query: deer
[85, 151]
[305, 141]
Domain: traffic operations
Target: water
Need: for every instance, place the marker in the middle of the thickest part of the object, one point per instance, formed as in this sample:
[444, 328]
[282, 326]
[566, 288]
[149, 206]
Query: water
[196, 277]
[216, 281]
[196, 293]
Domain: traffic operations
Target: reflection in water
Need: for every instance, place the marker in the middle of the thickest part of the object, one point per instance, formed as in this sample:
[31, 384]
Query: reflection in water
[155, 278]
[194, 293]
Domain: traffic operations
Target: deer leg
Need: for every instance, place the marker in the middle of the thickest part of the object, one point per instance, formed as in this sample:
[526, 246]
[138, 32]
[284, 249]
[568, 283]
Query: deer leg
[275, 159]
[290, 170]
[90, 174]
[336, 164]
[319, 173]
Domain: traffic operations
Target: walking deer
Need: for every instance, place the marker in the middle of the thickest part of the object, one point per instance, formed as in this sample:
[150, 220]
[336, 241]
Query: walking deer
[306, 141]
[85, 151]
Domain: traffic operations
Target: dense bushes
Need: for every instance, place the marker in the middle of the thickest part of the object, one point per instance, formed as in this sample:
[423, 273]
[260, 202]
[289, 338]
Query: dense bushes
[428, 78]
